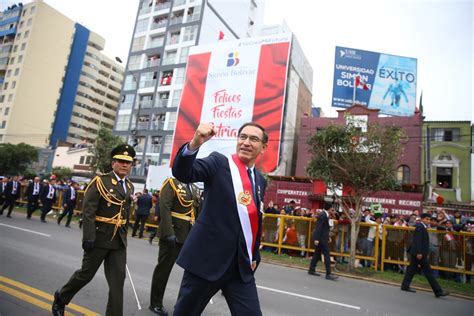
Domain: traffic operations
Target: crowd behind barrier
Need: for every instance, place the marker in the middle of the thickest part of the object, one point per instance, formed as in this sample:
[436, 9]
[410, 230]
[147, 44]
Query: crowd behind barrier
[379, 246]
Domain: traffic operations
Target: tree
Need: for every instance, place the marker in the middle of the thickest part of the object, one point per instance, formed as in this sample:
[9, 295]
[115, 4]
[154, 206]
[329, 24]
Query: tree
[363, 162]
[62, 172]
[15, 159]
[103, 145]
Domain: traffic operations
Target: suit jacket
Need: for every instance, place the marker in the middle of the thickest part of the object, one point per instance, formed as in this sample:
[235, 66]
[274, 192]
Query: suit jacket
[9, 190]
[144, 204]
[169, 202]
[421, 241]
[94, 204]
[67, 197]
[44, 194]
[30, 189]
[321, 231]
[217, 237]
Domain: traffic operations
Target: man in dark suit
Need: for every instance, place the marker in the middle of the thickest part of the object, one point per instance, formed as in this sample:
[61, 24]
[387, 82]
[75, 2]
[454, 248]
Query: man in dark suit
[69, 203]
[144, 204]
[321, 243]
[12, 192]
[3, 185]
[48, 197]
[32, 194]
[105, 213]
[222, 249]
[177, 216]
[419, 249]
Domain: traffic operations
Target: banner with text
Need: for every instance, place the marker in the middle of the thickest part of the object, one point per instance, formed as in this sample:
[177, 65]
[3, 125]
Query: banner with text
[231, 83]
[381, 81]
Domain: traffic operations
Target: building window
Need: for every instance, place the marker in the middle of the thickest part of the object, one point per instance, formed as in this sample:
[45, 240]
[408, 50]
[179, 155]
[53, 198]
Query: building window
[155, 144]
[173, 37]
[134, 62]
[445, 134]
[88, 160]
[29, 22]
[7, 110]
[183, 55]
[9, 73]
[15, 48]
[148, 79]
[5, 86]
[403, 174]
[81, 160]
[179, 75]
[142, 25]
[193, 13]
[12, 60]
[26, 34]
[170, 57]
[130, 83]
[156, 41]
[158, 121]
[444, 177]
[127, 101]
[33, 9]
[13, 84]
[17, 71]
[176, 97]
[189, 33]
[23, 46]
[166, 78]
[4, 123]
[162, 100]
[171, 121]
[167, 146]
[138, 43]
[18, 36]
[123, 121]
[10, 97]
[20, 58]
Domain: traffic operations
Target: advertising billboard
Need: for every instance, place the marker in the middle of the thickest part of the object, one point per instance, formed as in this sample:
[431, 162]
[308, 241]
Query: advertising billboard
[376, 80]
[231, 83]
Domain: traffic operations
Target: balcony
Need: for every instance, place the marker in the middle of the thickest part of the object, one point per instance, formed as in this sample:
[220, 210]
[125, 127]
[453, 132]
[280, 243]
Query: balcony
[147, 83]
[161, 103]
[162, 6]
[151, 63]
[145, 10]
[176, 20]
[146, 104]
[179, 2]
[159, 24]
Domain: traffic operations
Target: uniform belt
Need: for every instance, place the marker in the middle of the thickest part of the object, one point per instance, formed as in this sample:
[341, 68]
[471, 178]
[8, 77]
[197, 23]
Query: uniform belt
[185, 216]
[111, 221]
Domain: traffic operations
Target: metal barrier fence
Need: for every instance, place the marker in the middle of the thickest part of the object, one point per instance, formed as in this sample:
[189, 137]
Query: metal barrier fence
[449, 251]
[452, 252]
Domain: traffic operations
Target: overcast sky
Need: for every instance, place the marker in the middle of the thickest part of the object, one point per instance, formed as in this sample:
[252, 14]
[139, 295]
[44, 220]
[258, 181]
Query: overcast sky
[439, 33]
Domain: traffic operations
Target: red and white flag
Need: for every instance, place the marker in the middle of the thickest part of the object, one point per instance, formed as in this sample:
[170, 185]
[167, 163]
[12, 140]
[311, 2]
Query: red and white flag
[361, 84]
[221, 35]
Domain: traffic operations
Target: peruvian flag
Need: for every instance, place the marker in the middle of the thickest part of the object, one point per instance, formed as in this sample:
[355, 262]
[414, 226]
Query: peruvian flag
[221, 35]
[361, 84]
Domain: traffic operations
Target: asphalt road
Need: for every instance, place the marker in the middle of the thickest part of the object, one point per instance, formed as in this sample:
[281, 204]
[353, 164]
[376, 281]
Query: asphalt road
[38, 258]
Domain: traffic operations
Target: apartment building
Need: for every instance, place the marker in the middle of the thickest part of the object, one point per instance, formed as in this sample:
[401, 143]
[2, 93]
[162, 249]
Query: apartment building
[55, 83]
[155, 72]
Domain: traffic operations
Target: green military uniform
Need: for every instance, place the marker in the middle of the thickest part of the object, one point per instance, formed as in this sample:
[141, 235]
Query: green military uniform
[105, 213]
[177, 214]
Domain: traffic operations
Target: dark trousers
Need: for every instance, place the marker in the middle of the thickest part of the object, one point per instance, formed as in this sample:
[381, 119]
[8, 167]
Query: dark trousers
[323, 248]
[47, 206]
[114, 267]
[167, 256]
[32, 205]
[195, 293]
[69, 210]
[425, 266]
[139, 220]
[10, 204]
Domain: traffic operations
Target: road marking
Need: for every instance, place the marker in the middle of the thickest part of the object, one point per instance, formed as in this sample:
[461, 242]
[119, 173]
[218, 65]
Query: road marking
[308, 297]
[27, 298]
[26, 230]
[47, 296]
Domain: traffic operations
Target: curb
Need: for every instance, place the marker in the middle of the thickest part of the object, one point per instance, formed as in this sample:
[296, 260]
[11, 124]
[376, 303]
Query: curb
[350, 276]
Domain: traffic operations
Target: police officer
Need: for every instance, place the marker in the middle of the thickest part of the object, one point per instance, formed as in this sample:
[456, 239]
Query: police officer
[177, 215]
[105, 213]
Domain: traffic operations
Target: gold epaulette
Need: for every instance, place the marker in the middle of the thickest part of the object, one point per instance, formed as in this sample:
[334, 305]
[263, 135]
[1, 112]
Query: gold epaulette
[181, 200]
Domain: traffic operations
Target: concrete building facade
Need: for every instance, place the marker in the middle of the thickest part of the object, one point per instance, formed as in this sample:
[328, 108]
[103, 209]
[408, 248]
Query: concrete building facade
[55, 82]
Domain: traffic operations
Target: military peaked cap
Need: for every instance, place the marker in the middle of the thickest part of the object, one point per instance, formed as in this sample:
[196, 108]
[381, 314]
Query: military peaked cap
[123, 152]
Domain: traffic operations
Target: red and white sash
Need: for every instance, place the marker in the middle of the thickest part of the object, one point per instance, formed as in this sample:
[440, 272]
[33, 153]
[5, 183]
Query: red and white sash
[247, 209]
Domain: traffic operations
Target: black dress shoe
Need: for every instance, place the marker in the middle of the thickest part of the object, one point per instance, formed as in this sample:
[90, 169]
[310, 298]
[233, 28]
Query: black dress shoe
[331, 277]
[443, 293]
[58, 307]
[408, 289]
[9, 216]
[159, 310]
[310, 272]
[43, 221]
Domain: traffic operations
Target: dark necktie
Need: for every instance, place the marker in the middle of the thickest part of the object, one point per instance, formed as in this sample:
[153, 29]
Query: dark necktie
[121, 184]
[255, 198]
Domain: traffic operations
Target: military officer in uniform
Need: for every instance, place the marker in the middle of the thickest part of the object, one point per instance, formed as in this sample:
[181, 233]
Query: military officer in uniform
[105, 214]
[177, 215]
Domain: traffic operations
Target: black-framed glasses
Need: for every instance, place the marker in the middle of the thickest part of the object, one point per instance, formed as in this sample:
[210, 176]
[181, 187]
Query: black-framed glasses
[253, 139]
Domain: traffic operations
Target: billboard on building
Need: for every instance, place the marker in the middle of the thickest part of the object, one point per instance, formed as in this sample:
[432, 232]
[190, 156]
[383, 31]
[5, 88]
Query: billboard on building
[376, 80]
[231, 83]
